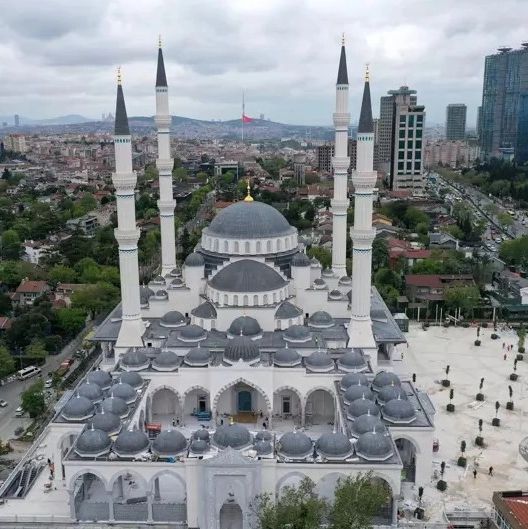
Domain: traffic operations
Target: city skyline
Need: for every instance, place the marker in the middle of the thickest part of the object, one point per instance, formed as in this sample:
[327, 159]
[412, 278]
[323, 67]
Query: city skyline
[285, 70]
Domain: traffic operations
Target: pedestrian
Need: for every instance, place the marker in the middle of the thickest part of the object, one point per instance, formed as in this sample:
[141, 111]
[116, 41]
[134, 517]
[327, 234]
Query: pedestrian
[503, 345]
[505, 355]
[173, 422]
[178, 422]
[475, 474]
[221, 422]
[490, 471]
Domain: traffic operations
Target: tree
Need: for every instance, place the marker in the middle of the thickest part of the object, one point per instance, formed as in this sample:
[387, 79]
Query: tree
[27, 327]
[7, 362]
[5, 304]
[465, 298]
[10, 246]
[33, 401]
[71, 321]
[380, 253]
[36, 349]
[97, 298]
[323, 255]
[505, 219]
[515, 252]
[62, 274]
[357, 500]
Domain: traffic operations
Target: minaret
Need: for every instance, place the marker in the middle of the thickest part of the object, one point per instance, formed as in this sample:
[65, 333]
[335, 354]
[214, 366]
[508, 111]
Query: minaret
[362, 234]
[340, 163]
[164, 163]
[126, 233]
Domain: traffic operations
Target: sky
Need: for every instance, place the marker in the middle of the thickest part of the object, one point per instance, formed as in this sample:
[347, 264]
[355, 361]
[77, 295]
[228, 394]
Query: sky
[60, 57]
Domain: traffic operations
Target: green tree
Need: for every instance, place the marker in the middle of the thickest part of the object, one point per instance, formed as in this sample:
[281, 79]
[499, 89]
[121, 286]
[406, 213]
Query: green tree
[515, 252]
[180, 174]
[36, 349]
[10, 245]
[5, 305]
[71, 321]
[33, 401]
[27, 327]
[465, 298]
[505, 219]
[7, 362]
[97, 298]
[380, 253]
[358, 499]
[62, 274]
[323, 255]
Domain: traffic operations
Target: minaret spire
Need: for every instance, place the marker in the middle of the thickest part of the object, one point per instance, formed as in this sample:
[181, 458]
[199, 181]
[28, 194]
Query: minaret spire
[161, 78]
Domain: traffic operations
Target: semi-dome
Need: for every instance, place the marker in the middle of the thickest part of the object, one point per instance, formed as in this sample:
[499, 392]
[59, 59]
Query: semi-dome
[193, 333]
[134, 360]
[234, 435]
[249, 220]
[263, 435]
[300, 259]
[374, 445]
[297, 333]
[206, 310]
[334, 445]
[194, 259]
[198, 356]
[247, 275]
[116, 406]
[202, 433]
[385, 378]
[366, 423]
[124, 391]
[287, 311]
[399, 411]
[78, 408]
[353, 361]
[286, 357]
[360, 407]
[172, 318]
[263, 448]
[241, 348]
[169, 443]
[108, 422]
[93, 443]
[130, 443]
[354, 379]
[177, 282]
[90, 391]
[245, 326]
[99, 377]
[131, 378]
[357, 392]
[166, 361]
[158, 280]
[319, 361]
[321, 320]
[319, 284]
[295, 445]
[389, 393]
[199, 446]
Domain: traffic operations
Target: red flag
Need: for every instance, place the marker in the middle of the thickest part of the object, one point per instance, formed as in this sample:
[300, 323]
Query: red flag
[246, 119]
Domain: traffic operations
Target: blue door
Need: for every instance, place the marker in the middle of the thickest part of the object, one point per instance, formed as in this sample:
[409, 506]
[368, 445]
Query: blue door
[244, 400]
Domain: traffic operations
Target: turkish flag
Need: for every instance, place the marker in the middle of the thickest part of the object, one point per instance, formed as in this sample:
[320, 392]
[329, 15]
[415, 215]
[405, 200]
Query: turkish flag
[246, 119]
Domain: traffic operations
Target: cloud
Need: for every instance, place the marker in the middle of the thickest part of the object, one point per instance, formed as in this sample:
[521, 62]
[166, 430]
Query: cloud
[60, 56]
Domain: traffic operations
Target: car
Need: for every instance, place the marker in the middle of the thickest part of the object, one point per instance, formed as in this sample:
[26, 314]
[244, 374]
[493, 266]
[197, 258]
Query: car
[3, 403]
[48, 383]
[19, 411]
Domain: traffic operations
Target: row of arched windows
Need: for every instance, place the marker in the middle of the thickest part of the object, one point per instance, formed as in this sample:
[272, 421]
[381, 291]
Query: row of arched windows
[252, 247]
[248, 300]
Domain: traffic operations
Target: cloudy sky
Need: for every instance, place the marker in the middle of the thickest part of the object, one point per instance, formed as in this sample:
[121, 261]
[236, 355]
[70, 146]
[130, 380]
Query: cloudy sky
[60, 56]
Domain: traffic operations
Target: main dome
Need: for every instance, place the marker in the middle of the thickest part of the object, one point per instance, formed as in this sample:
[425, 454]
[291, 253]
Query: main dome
[249, 220]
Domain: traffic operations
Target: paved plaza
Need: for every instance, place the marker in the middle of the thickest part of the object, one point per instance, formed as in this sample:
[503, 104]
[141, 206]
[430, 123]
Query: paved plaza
[428, 354]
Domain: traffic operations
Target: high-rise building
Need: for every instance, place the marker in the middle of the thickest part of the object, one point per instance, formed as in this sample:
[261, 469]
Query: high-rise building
[15, 143]
[17, 120]
[479, 121]
[456, 121]
[505, 82]
[299, 168]
[324, 157]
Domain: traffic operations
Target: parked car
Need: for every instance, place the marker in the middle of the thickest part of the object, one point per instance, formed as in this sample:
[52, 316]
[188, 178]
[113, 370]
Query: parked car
[3, 403]
[19, 411]
[48, 383]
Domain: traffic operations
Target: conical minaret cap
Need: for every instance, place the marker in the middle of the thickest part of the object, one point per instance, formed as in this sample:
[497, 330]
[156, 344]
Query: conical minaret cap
[161, 78]
[342, 73]
[121, 119]
[366, 123]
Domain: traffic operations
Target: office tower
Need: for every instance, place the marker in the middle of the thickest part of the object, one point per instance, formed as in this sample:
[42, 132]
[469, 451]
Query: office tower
[505, 82]
[479, 121]
[324, 157]
[456, 121]
[17, 120]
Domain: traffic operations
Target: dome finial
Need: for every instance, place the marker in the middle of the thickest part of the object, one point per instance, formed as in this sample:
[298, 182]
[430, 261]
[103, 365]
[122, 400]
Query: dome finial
[367, 73]
[119, 75]
[159, 40]
[231, 421]
[343, 39]
[248, 198]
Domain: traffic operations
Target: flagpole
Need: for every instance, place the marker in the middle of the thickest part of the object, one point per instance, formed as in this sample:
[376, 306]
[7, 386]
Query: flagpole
[243, 114]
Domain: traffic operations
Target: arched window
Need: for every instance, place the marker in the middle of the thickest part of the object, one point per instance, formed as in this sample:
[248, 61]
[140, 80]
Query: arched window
[245, 301]
[226, 299]
[237, 249]
[258, 247]
[226, 246]
[274, 297]
[255, 300]
[235, 300]
[265, 299]
[216, 245]
[269, 246]
[279, 245]
[247, 247]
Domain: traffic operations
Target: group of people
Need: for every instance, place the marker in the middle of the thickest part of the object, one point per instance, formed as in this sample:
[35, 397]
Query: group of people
[490, 472]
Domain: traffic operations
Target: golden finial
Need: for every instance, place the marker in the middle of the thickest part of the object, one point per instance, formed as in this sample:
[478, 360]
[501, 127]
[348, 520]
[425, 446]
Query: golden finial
[159, 40]
[119, 75]
[248, 198]
[367, 73]
[343, 39]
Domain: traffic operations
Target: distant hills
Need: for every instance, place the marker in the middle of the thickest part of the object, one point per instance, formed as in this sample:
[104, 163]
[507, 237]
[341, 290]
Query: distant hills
[69, 119]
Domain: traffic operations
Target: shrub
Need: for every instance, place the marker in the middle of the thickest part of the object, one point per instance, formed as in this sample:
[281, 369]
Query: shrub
[484, 325]
[494, 336]
[445, 324]
[509, 405]
[479, 441]
[514, 376]
[520, 357]
[480, 397]
[441, 485]
[462, 461]
[465, 324]
[495, 421]
[446, 383]
[477, 342]
[450, 408]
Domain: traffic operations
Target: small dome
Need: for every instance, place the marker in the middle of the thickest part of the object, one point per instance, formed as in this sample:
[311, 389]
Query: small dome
[78, 408]
[199, 446]
[93, 443]
[297, 333]
[352, 360]
[194, 259]
[319, 361]
[233, 435]
[134, 360]
[241, 348]
[327, 272]
[286, 357]
[161, 294]
[166, 361]
[319, 284]
[263, 448]
[116, 406]
[198, 356]
[131, 378]
[374, 446]
[108, 422]
[130, 443]
[99, 377]
[354, 379]
[389, 393]
[244, 325]
[399, 411]
[206, 310]
[173, 319]
[158, 280]
[169, 443]
[360, 407]
[124, 391]
[202, 434]
[345, 280]
[366, 423]
[90, 391]
[177, 282]
[192, 333]
[357, 392]
[176, 272]
[300, 259]
[287, 311]
[321, 320]
[295, 445]
[263, 435]
[334, 446]
[335, 295]
[385, 378]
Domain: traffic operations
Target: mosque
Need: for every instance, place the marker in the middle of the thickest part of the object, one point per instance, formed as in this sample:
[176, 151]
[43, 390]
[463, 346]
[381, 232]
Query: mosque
[242, 371]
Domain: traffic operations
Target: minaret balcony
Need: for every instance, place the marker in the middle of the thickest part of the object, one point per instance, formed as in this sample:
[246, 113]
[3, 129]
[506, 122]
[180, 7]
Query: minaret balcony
[362, 237]
[341, 119]
[127, 238]
[339, 206]
[364, 180]
[162, 122]
[124, 181]
[341, 163]
[166, 207]
[165, 164]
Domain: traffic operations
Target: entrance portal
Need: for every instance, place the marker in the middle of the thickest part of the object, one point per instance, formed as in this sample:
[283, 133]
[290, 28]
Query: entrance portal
[244, 400]
[231, 516]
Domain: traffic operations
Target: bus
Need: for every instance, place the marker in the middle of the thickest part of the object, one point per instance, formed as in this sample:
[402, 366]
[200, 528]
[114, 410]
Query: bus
[28, 372]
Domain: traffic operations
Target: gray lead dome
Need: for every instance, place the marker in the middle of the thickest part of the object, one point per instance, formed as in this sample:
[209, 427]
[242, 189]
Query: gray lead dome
[78, 408]
[194, 259]
[334, 446]
[319, 361]
[124, 391]
[233, 435]
[134, 360]
[198, 357]
[360, 407]
[244, 325]
[131, 378]
[241, 348]
[169, 443]
[93, 443]
[166, 361]
[389, 393]
[107, 422]
[295, 445]
[131, 443]
[353, 379]
[352, 360]
[172, 318]
[321, 319]
[385, 378]
[247, 275]
[91, 391]
[366, 423]
[115, 405]
[374, 446]
[357, 392]
[286, 357]
[300, 259]
[99, 377]
[399, 411]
